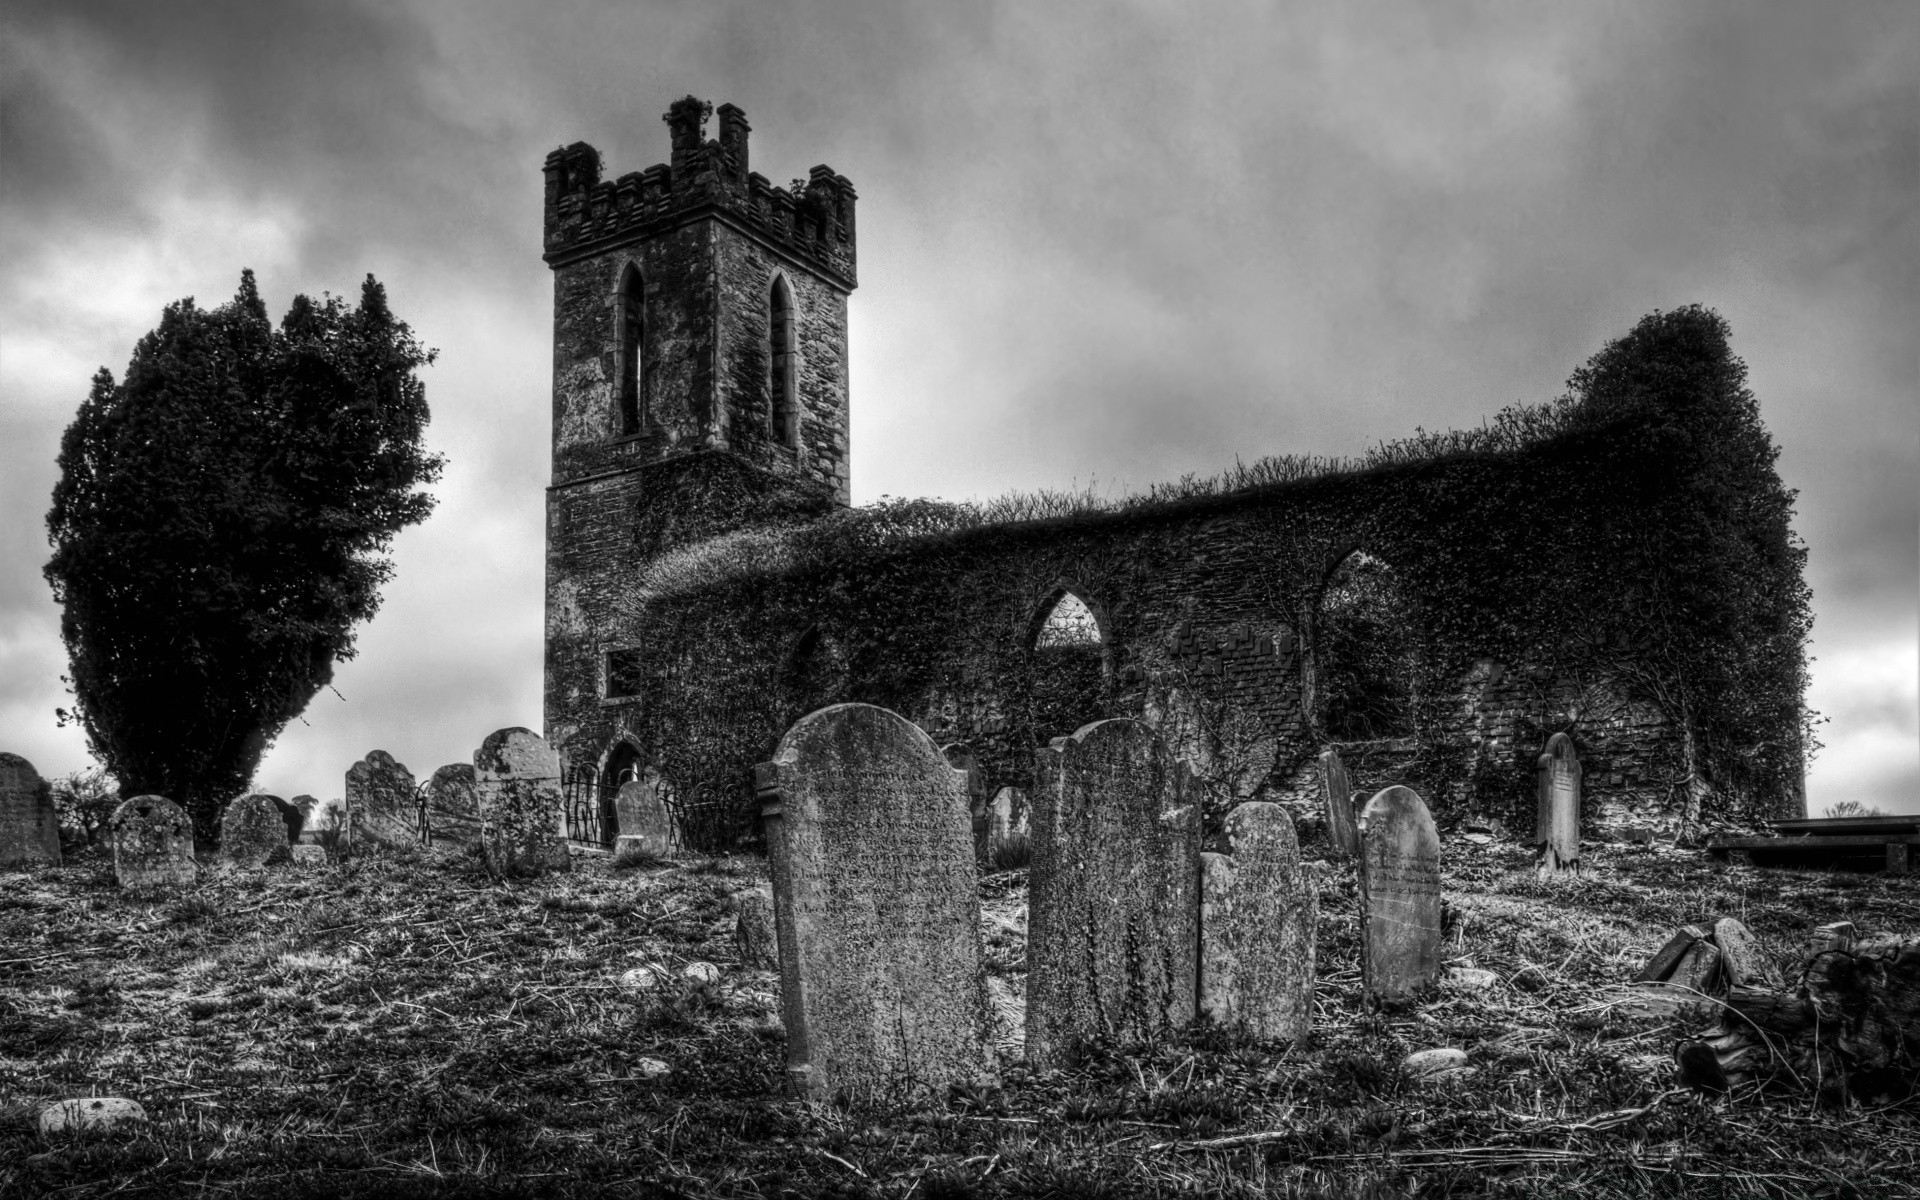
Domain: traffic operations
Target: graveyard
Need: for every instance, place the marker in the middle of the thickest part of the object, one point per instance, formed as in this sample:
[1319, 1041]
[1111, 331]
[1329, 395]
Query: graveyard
[1434, 1015]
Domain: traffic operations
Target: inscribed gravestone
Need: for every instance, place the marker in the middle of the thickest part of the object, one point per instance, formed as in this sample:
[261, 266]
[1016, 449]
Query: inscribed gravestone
[253, 832]
[152, 841]
[1114, 905]
[1399, 895]
[29, 827]
[646, 823]
[876, 906]
[961, 757]
[1557, 805]
[453, 810]
[381, 809]
[1337, 795]
[1259, 913]
[517, 780]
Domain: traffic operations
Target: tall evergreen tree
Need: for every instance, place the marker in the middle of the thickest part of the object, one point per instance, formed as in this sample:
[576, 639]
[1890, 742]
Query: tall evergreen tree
[220, 525]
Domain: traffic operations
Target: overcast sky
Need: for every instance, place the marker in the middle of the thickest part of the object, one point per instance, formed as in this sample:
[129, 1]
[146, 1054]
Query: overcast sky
[1099, 244]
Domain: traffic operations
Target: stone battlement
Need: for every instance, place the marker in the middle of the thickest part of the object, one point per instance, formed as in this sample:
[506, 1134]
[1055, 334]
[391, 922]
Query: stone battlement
[812, 220]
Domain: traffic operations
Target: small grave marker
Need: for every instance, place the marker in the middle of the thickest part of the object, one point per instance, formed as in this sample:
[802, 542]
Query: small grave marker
[646, 823]
[1336, 794]
[1259, 913]
[29, 827]
[517, 780]
[876, 906]
[1557, 807]
[152, 841]
[381, 810]
[253, 832]
[1399, 895]
[1114, 905]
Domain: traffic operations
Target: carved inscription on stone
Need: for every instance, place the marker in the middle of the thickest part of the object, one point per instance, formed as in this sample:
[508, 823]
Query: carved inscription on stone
[453, 810]
[1557, 825]
[1114, 905]
[876, 906]
[1399, 896]
[253, 832]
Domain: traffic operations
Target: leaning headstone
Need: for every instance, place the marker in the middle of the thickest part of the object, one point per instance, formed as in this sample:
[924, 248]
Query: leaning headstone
[253, 833]
[1557, 807]
[1745, 961]
[517, 778]
[152, 841]
[1399, 895]
[1337, 795]
[877, 906]
[1258, 915]
[1698, 972]
[29, 827]
[453, 810]
[646, 823]
[382, 812]
[1114, 910]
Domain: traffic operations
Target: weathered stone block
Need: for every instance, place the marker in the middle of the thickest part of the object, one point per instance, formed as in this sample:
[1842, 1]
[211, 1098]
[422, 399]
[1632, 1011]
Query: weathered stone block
[253, 832]
[382, 812]
[1258, 917]
[152, 840]
[517, 780]
[1399, 896]
[29, 827]
[1745, 961]
[876, 906]
[1114, 905]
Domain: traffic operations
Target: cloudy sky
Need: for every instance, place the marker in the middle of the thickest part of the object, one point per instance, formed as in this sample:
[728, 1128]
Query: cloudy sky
[1099, 244]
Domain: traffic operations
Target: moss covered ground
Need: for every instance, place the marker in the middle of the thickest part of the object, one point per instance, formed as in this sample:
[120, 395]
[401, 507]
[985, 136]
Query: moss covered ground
[387, 1027]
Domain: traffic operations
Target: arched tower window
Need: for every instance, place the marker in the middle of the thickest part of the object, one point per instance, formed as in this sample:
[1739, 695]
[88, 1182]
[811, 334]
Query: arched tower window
[632, 374]
[780, 364]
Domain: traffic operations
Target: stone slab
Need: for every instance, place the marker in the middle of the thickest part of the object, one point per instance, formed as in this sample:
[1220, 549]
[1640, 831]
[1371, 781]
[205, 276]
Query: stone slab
[876, 905]
[306, 854]
[382, 811]
[1336, 797]
[1399, 896]
[1668, 956]
[1743, 959]
[1114, 905]
[755, 935]
[1557, 807]
[152, 841]
[29, 826]
[517, 780]
[253, 832]
[1698, 971]
[961, 757]
[1258, 916]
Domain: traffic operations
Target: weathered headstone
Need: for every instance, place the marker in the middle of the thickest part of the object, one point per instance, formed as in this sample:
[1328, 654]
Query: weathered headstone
[453, 810]
[1337, 795]
[517, 779]
[29, 827]
[961, 757]
[646, 823]
[1557, 807]
[1258, 915]
[1668, 956]
[152, 841]
[1698, 972]
[1399, 895]
[382, 812]
[1745, 961]
[253, 832]
[1114, 907]
[876, 904]
[1007, 826]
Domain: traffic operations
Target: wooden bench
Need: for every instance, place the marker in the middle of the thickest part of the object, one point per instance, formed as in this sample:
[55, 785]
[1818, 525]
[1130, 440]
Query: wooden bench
[1829, 841]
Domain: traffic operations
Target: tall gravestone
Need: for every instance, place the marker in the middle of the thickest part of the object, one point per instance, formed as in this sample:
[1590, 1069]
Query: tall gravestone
[1336, 793]
[382, 812]
[152, 840]
[646, 822]
[29, 827]
[253, 832]
[453, 810]
[1114, 906]
[875, 905]
[517, 779]
[1557, 817]
[1258, 917]
[1399, 895]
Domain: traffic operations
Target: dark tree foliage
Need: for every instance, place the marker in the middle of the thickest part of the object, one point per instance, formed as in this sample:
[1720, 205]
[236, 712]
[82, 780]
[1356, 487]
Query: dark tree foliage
[219, 527]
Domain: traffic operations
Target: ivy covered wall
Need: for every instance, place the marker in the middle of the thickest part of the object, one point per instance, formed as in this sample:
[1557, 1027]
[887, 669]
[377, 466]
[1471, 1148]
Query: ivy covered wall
[1617, 565]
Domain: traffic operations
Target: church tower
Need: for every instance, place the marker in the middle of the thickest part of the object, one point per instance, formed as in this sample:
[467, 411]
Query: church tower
[699, 377]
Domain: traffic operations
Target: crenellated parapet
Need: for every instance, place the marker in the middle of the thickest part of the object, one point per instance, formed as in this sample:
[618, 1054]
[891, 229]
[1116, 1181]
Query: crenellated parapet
[811, 220]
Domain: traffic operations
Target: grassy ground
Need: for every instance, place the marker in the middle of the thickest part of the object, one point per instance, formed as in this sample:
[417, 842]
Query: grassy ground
[387, 1028]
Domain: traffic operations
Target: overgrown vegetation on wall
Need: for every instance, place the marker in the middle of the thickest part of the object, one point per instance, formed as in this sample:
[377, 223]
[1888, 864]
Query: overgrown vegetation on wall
[1632, 535]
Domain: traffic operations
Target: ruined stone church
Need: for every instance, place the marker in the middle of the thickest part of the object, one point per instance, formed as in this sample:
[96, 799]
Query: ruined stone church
[707, 584]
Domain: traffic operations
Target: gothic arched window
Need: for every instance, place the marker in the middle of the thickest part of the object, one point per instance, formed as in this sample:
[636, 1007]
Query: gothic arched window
[631, 380]
[780, 364]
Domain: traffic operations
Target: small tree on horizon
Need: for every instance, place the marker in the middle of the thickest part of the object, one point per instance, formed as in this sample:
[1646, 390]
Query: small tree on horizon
[220, 525]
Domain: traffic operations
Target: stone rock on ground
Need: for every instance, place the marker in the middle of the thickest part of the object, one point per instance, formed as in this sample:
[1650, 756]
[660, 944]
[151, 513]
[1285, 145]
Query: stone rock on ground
[700, 972]
[307, 855]
[651, 1068]
[1472, 979]
[1430, 1064]
[644, 979]
[91, 1112]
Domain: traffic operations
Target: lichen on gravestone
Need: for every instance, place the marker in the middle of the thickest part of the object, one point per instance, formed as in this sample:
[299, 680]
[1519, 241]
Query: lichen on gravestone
[1399, 896]
[1114, 907]
[646, 823]
[253, 832]
[1557, 807]
[152, 841]
[876, 907]
[1259, 914]
[517, 781]
[382, 811]
[453, 810]
[29, 826]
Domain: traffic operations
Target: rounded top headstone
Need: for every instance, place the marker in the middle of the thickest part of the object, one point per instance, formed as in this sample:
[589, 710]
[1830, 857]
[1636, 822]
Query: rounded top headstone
[516, 750]
[13, 762]
[1400, 808]
[149, 810]
[853, 731]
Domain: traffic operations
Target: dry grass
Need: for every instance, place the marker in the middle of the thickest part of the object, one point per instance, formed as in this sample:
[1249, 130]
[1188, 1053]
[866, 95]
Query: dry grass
[385, 1028]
